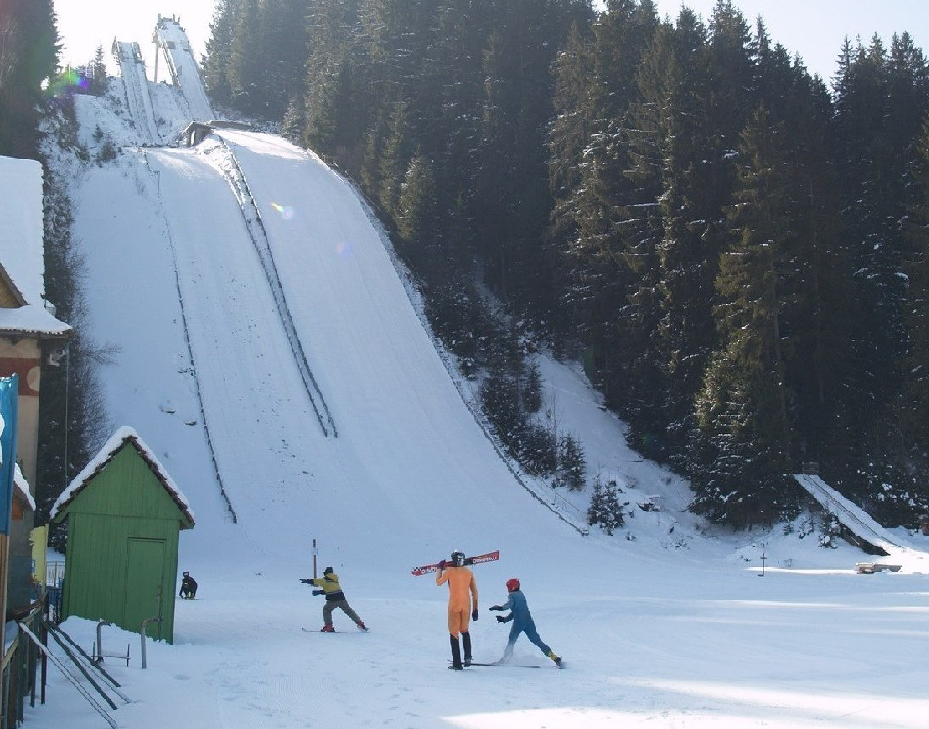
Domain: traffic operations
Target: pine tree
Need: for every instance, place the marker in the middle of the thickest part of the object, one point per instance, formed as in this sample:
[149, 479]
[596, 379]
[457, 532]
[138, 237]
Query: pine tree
[743, 407]
[216, 60]
[284, 39]
[336, 120]
[98, 75]
[246, 60]
[881, 102]
[500, 401]
[29, 48]
[913, 406]
[417, 217]
[589, 209]
[532, 388]
[572, 465]
[392, 159]
[672, 142]
[605, 510]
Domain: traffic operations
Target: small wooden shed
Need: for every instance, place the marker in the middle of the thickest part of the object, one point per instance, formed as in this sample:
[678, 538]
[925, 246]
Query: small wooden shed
[124, 517]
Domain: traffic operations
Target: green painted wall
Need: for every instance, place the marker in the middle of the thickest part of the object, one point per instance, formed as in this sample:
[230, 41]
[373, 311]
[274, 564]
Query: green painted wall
[123, 531]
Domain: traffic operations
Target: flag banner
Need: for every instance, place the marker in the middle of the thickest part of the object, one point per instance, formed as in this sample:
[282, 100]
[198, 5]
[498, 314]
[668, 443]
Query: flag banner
[9, 393]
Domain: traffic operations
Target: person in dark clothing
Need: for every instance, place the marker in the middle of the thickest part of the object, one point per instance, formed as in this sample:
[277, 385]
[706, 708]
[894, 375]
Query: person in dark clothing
[335, 598]
[188, 587]
[522, 622]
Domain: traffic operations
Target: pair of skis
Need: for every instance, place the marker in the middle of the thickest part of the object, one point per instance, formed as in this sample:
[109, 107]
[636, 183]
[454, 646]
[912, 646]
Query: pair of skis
[478, 559]
[501, 664]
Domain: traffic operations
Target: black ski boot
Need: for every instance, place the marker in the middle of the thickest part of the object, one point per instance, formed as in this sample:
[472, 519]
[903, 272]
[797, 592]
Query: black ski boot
[456, 654]
[466, 639]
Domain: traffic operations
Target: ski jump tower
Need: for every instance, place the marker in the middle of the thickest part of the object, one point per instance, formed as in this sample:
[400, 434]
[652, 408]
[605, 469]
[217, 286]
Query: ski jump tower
[135, 83]
[171, 41]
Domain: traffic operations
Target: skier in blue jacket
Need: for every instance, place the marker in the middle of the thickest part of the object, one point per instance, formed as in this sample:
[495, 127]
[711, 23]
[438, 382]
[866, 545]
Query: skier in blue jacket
[522, 622]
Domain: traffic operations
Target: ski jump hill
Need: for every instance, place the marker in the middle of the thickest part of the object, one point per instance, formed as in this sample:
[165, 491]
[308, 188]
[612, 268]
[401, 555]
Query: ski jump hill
[853, 518]
[135, 83]
[272, 351]
[174, 45]
[864, 531]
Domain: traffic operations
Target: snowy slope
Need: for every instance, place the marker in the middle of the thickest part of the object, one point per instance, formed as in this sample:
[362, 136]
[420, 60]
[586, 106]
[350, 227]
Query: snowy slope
[409, 460]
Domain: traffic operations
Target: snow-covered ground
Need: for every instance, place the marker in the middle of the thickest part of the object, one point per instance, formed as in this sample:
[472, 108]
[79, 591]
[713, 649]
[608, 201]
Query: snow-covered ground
[665, 624]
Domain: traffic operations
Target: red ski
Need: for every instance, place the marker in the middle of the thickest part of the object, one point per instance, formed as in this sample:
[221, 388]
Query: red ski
[479, 559]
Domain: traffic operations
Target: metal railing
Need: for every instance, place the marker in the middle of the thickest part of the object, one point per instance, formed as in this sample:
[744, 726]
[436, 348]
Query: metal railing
[19, 664]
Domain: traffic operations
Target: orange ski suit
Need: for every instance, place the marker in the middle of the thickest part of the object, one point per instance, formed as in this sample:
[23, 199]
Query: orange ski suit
[460, 604]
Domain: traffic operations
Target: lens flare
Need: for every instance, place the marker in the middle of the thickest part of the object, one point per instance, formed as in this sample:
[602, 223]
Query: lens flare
[286, 211]
[68, 82]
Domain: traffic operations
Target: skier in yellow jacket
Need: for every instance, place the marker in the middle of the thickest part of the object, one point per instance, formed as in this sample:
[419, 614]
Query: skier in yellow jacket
[462, 597]
[335, 598]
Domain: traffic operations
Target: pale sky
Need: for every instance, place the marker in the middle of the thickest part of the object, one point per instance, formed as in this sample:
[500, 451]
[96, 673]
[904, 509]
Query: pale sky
[813, 28]
[85, 24]
[816, 29]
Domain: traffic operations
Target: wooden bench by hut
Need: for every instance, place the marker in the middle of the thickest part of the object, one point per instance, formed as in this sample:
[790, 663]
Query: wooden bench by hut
[124, 517]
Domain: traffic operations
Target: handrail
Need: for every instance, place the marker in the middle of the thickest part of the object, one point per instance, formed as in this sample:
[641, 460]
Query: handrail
[145, 624]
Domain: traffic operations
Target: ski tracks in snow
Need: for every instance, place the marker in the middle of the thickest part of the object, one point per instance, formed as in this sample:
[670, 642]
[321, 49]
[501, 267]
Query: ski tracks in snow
[224, 159]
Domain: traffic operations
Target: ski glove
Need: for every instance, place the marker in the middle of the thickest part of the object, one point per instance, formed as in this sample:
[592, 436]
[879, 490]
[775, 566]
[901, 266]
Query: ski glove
[319, 592]
[306, 580]
[474, 615]
[501, 619]
[495, 607]
[443, 564]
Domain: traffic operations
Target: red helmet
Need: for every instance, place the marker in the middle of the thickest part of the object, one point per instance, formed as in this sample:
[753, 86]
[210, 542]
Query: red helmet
[512, 584]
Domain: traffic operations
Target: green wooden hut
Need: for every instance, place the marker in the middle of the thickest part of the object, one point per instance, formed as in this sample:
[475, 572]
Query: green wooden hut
[124, 516]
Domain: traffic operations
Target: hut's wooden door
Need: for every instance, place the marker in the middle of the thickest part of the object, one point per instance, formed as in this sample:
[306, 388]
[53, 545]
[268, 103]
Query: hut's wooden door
[144, 584]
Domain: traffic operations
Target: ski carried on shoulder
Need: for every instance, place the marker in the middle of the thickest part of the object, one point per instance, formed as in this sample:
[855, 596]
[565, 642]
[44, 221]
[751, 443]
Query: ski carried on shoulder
[478, 559]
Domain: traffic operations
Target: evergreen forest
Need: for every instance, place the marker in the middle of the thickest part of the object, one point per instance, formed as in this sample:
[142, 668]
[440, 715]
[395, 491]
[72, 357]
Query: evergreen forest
[736, 249]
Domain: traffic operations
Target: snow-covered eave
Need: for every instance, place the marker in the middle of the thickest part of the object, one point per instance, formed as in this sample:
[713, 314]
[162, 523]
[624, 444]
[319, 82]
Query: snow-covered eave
[32, 321]
[22, 487]
[110, 449]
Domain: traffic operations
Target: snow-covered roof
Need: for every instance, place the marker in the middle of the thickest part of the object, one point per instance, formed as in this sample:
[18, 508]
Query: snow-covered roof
[21, 255]
[110, 449]
[22, 486]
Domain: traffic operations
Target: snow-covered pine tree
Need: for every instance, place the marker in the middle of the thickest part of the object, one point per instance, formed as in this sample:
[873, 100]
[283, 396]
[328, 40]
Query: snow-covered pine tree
[605, 509]
[572, 465]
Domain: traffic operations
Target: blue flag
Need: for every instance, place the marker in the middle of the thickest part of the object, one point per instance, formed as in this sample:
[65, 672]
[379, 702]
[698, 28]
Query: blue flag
[9, 397]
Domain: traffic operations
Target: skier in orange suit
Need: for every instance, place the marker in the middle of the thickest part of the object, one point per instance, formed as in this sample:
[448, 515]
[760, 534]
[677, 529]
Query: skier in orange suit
[462, 596]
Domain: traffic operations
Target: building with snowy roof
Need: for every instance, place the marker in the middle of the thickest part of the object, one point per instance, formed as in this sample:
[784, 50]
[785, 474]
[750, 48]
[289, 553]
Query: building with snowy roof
[30, 337]
[29, 332]
[124, 515]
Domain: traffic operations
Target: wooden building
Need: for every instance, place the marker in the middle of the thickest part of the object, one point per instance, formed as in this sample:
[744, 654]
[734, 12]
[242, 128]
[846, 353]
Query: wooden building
[31, 339]
[124, 516]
